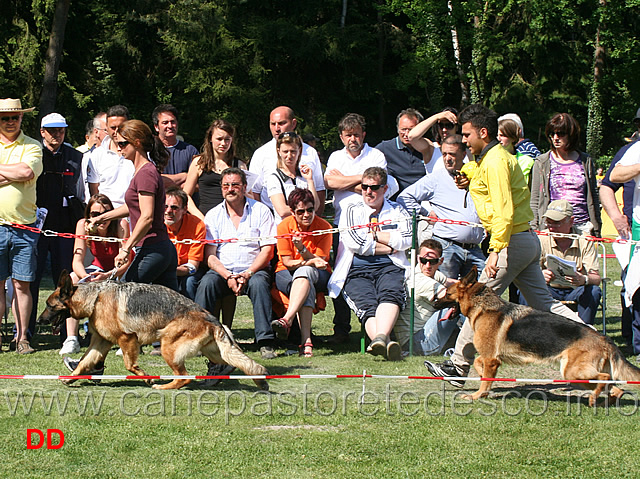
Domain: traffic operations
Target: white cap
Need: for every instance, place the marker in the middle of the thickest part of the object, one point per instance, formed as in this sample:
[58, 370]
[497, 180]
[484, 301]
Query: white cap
[513, 117]
[53, 120]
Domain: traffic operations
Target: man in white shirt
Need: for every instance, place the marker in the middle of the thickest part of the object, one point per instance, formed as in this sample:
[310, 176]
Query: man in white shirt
[264, 160]
[113, 171]
[240, 267]
[344, 176]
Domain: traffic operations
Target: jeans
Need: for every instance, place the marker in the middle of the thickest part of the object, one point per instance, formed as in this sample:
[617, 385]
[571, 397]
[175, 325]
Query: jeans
[188, 285]
[457, 261]
[213, 287]
[155, 264]
[434, 334]
[588, 299]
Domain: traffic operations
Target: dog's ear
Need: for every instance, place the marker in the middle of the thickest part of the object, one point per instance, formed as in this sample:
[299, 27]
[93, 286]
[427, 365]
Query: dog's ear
[471, 277]
[66, 285]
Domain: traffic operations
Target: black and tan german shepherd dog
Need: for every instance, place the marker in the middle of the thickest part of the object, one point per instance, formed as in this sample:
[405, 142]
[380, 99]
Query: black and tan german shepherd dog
[515, 334]
[133, 314]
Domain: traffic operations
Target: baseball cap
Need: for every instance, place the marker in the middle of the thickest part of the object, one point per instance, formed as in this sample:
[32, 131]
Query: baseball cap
[513, 117]
[53, 120]
[559, 210]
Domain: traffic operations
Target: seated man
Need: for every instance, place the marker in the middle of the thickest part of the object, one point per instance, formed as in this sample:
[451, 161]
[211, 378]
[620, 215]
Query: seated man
[240, 267]
[582, 287]
[371, 264]
[181, 225]
[432, 328]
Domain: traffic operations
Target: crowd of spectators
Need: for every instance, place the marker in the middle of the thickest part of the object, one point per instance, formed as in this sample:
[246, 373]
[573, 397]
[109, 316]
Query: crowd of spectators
[161, 198]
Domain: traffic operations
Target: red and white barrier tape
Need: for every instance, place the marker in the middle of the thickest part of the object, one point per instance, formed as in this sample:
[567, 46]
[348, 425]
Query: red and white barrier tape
[317, 376]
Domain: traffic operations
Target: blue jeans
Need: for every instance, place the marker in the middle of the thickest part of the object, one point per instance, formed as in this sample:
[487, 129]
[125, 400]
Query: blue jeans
[188, 285]
[213, 287]
[457, 261]
[434, 334]
[155, 264]
[587, 297]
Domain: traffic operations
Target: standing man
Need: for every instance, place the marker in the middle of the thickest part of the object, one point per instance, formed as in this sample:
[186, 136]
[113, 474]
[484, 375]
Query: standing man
[89, 181]
[371, 265]
[502, 198]
[56, 188]
[20, 166]
[165, 122]
[344, 176]
[404, 162]
[182, 225]
[460, 243]
[113, 171]
[237, 268]
[265, 159]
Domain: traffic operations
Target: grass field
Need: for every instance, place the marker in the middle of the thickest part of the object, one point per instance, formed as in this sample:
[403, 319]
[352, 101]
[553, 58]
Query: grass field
[311, 427]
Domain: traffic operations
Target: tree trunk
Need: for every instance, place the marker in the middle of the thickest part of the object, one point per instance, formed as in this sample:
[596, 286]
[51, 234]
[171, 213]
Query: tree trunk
[464, 86]
[54, 54]
[595, 119]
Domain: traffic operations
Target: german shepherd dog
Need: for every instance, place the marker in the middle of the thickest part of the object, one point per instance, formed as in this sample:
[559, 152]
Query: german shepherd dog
[514, 334]
[133, 314]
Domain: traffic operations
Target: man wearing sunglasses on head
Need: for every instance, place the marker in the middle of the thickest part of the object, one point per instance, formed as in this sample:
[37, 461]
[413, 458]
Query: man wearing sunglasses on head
[371, 265]
[432, 327]
[20, 166]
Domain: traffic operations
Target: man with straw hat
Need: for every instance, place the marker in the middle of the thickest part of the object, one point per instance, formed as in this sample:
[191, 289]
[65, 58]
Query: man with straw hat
[20, 166]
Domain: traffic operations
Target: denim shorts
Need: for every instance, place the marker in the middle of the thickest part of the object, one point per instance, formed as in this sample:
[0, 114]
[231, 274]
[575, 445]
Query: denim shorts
[18, 253]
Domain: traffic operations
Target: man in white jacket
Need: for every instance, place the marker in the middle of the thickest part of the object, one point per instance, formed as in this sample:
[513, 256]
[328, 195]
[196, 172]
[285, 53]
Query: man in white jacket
[371, 265]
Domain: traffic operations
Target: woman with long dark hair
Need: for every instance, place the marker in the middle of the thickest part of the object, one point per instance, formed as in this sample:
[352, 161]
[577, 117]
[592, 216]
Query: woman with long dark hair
[155, 258]
[218, 154]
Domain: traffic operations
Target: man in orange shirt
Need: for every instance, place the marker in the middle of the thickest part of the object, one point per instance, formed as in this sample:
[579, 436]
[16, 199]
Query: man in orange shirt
[182, 225]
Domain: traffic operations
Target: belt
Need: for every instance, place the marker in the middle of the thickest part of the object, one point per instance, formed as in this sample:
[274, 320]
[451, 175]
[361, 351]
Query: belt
[457, 243]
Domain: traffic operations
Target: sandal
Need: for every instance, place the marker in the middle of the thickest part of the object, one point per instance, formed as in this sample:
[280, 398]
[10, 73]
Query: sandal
[306, 349]
[281, 328]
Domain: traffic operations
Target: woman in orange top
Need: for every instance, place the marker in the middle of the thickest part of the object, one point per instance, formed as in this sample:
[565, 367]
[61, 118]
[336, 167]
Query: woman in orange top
[303, 266]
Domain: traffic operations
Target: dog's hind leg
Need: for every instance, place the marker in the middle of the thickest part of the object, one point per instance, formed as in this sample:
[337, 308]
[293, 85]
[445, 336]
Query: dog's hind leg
[175, 350]
[582, 368]
[233, 355]
[130, 351]
[487, 368]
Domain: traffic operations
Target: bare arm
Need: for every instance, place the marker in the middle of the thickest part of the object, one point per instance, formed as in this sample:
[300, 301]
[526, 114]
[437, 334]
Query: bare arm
[15, 173]
[417, 138]
[610, 205]
[335, 180]
[143, 225]
[622, 173]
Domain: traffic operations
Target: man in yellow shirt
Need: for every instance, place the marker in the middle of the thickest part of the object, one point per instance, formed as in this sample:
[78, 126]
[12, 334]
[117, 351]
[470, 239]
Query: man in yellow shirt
[502, 200]
[20, 166]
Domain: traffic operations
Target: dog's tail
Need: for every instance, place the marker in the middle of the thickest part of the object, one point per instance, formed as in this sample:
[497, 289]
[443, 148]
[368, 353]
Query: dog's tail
[621, 369]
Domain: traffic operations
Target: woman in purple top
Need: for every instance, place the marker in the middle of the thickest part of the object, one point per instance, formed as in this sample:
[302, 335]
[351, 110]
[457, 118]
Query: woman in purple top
[566, 173]
[155, 259]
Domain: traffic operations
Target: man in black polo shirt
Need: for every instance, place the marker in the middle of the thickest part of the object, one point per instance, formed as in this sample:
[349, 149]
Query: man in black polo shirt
[404, 162]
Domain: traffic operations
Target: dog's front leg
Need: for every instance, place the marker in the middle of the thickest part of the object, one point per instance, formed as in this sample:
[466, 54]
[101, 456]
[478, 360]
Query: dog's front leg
[98, 349]
[487, 368]
[130, 351]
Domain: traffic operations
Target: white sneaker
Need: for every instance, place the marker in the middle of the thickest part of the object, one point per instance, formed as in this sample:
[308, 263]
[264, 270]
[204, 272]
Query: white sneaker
[119, 352]
[71, 345]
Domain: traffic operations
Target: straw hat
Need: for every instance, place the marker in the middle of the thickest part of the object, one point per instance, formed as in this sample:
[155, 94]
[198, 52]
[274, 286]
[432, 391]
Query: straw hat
[13, 105]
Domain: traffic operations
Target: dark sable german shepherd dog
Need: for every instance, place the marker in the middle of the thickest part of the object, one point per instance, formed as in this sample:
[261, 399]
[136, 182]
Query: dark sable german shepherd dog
[133, 314]
[514, 334]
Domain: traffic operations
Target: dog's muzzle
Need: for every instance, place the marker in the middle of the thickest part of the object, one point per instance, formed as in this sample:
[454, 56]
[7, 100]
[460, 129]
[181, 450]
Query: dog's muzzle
[55, 318]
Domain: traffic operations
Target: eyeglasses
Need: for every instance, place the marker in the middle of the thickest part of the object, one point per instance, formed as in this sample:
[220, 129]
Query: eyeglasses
[122, 144]
[172, 207]
[10, 118]
[301, 211]
[94, 214]
[405, 130]
[231, 185]
[431, 261]
[287, 134]
[370, 187]
[448, 126]
[559, 134]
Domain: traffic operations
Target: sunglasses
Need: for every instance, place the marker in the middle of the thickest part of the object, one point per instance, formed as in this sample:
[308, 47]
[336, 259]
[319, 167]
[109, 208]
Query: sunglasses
[302, 211]
[448, 126]
[287, 134]
[365, 187]
[231, 185]
[122, 144]
[559, 134]
[95, 214]
[431, 261]
[10, 118]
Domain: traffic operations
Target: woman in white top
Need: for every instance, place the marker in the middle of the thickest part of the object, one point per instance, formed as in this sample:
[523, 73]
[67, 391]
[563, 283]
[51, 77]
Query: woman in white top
[289, 175]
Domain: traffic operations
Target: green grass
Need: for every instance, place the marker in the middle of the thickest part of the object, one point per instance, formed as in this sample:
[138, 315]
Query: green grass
[311, 428]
